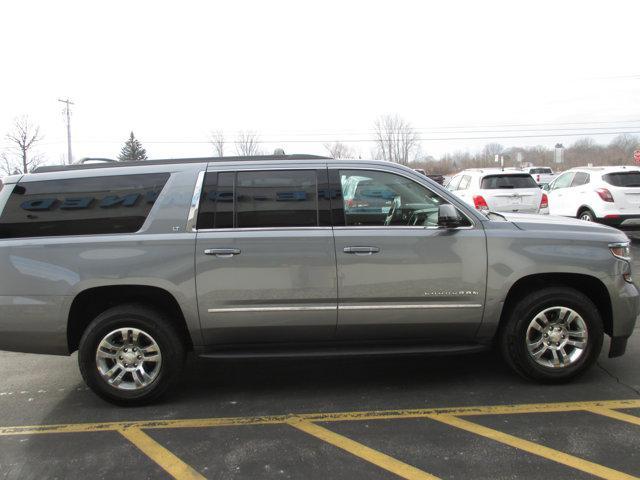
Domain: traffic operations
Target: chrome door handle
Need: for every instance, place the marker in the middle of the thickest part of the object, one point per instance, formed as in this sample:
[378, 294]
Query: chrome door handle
[222, 252]
[361, 250]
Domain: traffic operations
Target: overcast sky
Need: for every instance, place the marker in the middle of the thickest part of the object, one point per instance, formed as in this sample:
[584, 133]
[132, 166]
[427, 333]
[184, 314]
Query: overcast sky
[321, 71]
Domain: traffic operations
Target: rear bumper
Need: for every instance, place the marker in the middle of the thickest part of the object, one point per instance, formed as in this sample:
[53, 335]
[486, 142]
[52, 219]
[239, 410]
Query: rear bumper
[622, 222]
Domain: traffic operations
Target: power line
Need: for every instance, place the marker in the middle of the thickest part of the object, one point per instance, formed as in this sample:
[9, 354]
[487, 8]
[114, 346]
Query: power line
[365, 140]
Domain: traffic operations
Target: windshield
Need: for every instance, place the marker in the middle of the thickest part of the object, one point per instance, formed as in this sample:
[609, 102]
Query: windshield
[544, 171]
[491, 182]
[623, 179]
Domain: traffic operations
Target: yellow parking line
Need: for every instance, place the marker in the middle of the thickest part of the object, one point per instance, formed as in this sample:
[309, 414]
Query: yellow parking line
[534, 448]
[379, 459]
[321, 417]
[163, 457]
[607, 412]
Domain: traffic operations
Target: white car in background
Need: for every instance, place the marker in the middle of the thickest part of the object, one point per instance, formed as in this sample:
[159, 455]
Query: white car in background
[542, 175]
[609, 195]
[497, 190]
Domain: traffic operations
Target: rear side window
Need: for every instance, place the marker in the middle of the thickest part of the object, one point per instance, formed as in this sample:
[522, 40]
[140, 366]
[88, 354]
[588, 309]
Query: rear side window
[491, 182]
[581, 178]
[80, 206]
[541, 171]
[264, 199]
[623, 179]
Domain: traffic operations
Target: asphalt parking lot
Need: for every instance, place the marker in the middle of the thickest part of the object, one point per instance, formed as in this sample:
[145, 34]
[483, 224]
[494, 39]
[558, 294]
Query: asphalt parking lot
[465, 417]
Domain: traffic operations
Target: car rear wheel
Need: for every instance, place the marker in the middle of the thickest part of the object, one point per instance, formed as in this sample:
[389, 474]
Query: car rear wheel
[552, 335]
[587, 216]
[130, 354]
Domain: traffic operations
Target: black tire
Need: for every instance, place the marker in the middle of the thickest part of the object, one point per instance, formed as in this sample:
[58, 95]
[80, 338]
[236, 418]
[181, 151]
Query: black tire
[149, 320]
[513, 334]
[586, 215]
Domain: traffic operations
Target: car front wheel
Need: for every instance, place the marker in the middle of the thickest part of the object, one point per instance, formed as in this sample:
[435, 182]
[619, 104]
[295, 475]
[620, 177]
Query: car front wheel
[130, 354]
[552, 335]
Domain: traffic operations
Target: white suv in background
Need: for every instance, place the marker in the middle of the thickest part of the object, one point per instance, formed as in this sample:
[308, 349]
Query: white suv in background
[497, 190]
[609, 195]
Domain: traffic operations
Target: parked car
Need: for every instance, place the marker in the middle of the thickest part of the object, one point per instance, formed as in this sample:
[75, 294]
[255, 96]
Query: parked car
[498, 190]
[436, 177]
[609, 195]
[542, 175]
[134, 264]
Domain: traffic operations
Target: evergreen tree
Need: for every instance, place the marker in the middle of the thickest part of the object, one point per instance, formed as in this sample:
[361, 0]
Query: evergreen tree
[132, 151]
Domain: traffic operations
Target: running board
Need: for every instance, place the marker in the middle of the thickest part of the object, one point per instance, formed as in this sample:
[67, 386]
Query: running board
[339, 351]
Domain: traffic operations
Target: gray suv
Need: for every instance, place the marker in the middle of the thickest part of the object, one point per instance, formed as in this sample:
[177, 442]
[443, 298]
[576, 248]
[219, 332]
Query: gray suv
[134, 265]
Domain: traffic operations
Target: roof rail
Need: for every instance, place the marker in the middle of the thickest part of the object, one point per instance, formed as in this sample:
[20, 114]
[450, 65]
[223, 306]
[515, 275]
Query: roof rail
[108, 163]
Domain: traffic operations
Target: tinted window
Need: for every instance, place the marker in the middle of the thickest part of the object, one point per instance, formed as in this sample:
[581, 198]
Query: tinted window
[216, 201]
[580, 178]
[508, 181]
[80, 206]
[277, 198]
[383, 199]
[623, 179]
[539, 171]
[464, 183]
[272, 198]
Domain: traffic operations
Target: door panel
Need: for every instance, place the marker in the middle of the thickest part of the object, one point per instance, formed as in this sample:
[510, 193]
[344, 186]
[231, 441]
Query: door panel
[265, 257]
[411, 282]
[280, 287]
[421, 284]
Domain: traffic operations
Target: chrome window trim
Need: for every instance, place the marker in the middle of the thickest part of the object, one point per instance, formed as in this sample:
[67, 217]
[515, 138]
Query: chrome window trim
[260, 229]
[192, 219]
[193, 212]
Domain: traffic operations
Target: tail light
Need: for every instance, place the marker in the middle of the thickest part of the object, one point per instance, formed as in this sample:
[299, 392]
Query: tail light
[605, 194]
[544, 203]
[480, 203]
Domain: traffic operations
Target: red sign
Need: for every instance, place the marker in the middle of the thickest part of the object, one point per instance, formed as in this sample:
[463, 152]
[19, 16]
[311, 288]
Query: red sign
[636, 156]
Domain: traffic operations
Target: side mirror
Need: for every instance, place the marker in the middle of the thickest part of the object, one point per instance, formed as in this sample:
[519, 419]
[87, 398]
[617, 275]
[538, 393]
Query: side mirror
[448, 216]
[546, 187]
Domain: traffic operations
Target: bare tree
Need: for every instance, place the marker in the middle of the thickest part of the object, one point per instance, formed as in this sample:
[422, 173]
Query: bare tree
[490, 151]
[340, 150]
[625, 144]
[217, 140]
[22, 139]
[248, 144]
[6, 165]
[396, 140]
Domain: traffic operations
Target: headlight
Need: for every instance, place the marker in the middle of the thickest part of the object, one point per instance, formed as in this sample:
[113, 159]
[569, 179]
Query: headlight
[621, 250]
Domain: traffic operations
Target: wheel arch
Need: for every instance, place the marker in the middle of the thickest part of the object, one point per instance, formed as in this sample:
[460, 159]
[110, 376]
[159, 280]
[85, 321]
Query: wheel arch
[590, 286]
[582, 208]
[89, 303]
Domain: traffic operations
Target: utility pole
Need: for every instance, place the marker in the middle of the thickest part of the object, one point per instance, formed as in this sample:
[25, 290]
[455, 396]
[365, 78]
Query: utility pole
[67, 112]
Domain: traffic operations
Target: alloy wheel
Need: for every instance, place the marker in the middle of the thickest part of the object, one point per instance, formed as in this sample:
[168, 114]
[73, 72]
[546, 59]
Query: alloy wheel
[128, 359]
[557, 337]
